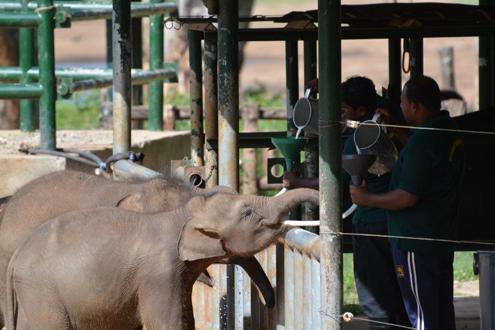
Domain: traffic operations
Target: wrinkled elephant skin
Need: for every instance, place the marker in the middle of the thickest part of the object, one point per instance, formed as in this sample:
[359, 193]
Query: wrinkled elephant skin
[109, 268]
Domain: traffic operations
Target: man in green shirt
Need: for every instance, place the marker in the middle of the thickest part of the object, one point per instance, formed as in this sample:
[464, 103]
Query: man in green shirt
[378, 292]
[422, 203]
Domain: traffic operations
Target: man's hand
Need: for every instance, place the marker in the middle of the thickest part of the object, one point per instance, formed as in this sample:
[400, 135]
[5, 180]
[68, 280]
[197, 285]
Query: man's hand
[359, 194]
[290, 180]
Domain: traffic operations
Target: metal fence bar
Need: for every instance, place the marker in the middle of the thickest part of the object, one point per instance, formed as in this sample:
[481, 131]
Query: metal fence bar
[142, 76]
[156, 62]
[121, 34]
[20, 91]
[329, 31]
[306, 294]
[289, 288]
[20, 19]
[46, 55]
[298, 290]
[26, 61]
[196, 91]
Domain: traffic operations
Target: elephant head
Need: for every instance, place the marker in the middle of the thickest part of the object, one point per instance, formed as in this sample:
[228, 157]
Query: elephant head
[225, 226]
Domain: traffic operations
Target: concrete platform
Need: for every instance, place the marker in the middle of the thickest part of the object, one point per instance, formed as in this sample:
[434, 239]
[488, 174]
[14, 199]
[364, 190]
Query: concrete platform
[467, 310]
[16, 168]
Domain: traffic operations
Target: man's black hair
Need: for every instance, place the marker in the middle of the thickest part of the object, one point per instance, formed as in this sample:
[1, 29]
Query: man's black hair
[424, 90]
[359, 91]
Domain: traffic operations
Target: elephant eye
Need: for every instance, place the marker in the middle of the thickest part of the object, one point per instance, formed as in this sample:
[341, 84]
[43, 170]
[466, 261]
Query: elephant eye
[247, 212]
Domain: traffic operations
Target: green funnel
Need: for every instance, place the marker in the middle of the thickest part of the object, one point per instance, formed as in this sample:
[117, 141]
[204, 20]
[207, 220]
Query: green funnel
[290, 148]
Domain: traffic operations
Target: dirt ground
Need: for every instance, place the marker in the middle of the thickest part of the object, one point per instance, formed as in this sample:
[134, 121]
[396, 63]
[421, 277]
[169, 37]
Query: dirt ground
[84, 44]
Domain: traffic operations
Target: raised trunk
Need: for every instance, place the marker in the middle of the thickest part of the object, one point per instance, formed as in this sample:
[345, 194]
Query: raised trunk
[284, 203]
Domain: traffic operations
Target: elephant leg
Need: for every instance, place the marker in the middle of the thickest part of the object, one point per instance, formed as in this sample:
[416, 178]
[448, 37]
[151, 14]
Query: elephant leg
[40, 309]
[160, 306]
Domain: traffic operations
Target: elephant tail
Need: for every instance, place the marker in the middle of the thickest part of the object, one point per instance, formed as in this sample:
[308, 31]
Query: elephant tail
[10, 302]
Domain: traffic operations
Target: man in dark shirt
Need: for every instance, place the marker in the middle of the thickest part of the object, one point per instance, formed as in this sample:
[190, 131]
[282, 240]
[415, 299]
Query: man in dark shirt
[378, 292]
[422, 202]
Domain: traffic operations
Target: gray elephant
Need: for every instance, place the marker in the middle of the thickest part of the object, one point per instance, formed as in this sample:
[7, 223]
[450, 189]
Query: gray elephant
[60, 192]
[110, 268]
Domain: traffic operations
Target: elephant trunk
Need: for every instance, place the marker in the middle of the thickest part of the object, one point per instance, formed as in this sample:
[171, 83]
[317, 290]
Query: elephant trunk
[284, 203]
[258, 276]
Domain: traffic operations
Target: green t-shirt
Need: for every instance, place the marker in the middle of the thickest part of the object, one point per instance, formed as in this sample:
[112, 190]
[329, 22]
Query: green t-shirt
[376, 184]
[429, 167]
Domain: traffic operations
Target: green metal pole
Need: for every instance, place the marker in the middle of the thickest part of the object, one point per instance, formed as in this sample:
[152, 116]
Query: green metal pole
[228, 125]
[156, 62]
[394, 70]
[329, 33]
[20, 91]
[292, 81]
[121, 39]
[47, 74]
[137, 56]
[416, 57]
[310, 64]
[26, 61]
[211, 109]
[196, 90]
[310, 154]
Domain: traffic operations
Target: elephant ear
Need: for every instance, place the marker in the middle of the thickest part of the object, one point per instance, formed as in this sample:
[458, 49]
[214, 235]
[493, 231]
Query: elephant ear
[198, 240]
[132, 202]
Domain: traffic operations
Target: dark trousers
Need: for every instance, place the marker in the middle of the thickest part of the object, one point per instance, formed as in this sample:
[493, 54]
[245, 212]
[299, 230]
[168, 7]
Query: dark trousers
[427, 287]
[378, 292]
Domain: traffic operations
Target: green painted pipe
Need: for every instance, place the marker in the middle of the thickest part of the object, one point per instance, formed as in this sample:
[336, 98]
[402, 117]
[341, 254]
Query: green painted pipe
[196, 99]
[156, 62]
[291, 81]
[26, 61]
[18, 19]
[15, 73]
[330, 52]
[20, 91]
[141, 77]
[47, 74]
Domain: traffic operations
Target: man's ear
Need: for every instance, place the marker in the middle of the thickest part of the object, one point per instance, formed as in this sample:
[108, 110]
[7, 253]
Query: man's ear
[200, 242]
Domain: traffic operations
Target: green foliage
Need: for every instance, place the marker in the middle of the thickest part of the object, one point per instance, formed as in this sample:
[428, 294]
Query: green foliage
[82, 111]
[259, 95]
[463, 267]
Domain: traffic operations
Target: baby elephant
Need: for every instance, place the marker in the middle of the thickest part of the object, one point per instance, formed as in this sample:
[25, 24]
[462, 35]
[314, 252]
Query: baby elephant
[57, 193]
[109, 268]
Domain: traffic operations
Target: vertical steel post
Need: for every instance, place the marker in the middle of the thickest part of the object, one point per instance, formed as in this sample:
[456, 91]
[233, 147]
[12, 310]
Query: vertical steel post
[121, 50]
[416, 57]
[156, 62]
[196, 90]
[292, 80]
[46, 55]
[310, 63]
[137, 55]
[26, 61]
[329, 33]
[211, 108]
[311, 155]
[228, 121]
[486, 67]
[108, 54]
[394, 70]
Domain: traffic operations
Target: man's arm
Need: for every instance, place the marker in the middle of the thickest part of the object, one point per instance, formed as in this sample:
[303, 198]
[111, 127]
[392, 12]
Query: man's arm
[394, 200]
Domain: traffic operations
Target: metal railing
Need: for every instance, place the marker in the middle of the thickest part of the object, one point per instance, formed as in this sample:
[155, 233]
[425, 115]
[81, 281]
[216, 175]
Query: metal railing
[293, 268]
[45, 81]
